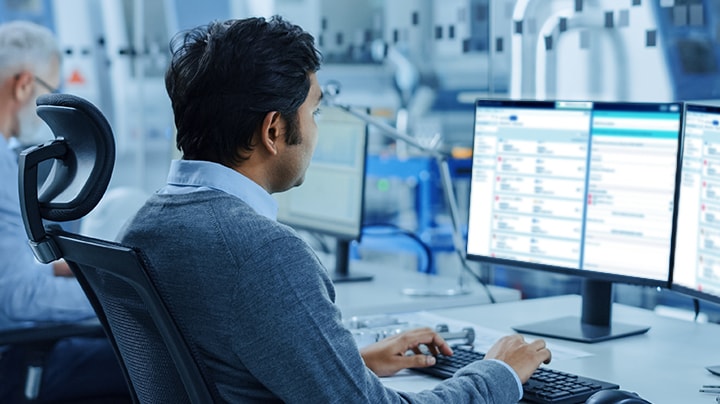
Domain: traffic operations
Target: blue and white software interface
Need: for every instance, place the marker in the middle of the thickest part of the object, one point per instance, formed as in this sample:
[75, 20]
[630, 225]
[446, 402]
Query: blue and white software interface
[697, 257]
[578, 185]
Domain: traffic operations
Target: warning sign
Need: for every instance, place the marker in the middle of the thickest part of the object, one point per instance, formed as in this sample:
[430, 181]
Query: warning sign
[76, 78]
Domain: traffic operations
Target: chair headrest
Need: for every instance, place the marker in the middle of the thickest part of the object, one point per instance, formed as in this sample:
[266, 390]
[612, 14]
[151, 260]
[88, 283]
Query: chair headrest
[83, 152]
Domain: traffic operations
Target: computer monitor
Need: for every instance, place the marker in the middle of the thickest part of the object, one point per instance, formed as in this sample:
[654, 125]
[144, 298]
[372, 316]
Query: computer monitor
[330, 201]
[696, 267]
[579, 188]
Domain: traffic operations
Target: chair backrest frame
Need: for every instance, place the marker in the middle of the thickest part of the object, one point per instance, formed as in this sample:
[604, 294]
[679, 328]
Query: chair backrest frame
[83, 152]
[130, 266]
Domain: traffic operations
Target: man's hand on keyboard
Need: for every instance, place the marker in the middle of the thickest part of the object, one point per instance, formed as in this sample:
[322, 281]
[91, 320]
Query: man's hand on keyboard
[388, 356]
[524, 358]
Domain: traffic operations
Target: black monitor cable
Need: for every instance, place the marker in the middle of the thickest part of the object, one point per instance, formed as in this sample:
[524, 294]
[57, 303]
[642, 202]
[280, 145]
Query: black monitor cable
[478, 278]
[395, 229]
[696, 307]
[429, 255]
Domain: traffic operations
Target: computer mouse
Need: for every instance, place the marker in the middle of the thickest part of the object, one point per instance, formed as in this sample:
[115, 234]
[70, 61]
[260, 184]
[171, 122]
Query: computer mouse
[615, 397]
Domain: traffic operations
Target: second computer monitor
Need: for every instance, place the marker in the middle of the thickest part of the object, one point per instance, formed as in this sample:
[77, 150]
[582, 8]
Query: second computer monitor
[697, 257]
[330, 201]
[582, 188]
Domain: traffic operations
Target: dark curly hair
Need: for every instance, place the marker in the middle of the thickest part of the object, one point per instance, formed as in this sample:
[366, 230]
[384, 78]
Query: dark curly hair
[226, 76]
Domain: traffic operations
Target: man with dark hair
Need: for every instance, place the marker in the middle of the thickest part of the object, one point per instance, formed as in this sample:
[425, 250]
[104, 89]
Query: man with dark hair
[255, 301]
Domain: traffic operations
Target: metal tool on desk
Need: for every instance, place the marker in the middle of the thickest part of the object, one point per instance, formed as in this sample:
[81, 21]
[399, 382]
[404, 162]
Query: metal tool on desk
[708, 388]
[356, 322]
[713, 389]
[368, 329]
[467, 335]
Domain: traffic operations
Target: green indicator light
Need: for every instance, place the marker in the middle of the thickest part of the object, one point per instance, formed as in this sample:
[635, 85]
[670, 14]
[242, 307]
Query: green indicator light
[383, 185]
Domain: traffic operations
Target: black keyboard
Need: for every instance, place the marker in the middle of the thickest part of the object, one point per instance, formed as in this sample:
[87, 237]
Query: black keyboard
[546, 386]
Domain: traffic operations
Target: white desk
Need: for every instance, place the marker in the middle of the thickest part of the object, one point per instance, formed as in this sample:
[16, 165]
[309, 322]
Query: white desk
[383, 294]
[665, 365]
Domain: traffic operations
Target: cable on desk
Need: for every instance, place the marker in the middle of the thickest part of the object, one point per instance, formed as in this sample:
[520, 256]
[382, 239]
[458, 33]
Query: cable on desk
[478, 277]
[428, 253]
[696, 307]
[399, 230]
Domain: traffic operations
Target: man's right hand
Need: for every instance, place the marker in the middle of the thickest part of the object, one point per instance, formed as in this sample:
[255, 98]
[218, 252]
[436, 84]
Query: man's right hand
[523, 357]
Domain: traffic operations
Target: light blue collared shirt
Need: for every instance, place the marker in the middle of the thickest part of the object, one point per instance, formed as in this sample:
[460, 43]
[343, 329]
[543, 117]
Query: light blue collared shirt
[194, 175]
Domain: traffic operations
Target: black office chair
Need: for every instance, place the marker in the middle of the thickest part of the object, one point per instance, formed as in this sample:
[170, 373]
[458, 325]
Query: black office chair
[35, 342]
[156, 357]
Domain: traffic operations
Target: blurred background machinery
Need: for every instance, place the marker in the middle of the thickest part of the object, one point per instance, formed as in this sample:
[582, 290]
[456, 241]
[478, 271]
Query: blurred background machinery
[417, 64]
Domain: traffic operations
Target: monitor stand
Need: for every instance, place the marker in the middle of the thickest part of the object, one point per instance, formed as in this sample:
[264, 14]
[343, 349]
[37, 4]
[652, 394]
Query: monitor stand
[342, 265]
[595, 324]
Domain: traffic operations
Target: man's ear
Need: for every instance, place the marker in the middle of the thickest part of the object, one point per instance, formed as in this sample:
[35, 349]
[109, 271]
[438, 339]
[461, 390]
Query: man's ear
[23, 87]
[271, 132]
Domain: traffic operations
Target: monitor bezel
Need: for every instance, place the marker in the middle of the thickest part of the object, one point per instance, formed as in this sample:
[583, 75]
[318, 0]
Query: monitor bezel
[585, 273]
[341, 236]
[686, 290]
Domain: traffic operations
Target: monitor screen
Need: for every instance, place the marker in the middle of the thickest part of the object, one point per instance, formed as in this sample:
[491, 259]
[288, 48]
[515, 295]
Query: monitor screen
[697, 260]
[330, 200]
[582, 188]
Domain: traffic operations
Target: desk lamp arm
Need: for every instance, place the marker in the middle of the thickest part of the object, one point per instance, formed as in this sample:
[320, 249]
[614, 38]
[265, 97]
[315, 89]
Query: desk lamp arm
[333, 89]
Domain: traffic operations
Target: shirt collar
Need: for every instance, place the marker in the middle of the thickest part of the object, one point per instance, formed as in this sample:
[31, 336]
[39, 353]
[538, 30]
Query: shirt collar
[196, 173]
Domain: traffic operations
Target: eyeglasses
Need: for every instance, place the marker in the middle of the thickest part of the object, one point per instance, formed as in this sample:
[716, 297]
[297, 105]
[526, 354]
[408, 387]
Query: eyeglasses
[47, 86]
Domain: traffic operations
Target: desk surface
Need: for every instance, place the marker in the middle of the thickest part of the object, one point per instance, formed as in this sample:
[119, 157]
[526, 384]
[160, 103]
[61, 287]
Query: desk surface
[665, 365]
[384, 293]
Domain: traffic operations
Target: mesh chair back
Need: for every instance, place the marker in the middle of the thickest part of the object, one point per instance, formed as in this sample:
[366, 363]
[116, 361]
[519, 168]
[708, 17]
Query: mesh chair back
[156, 357]
[147, 338]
